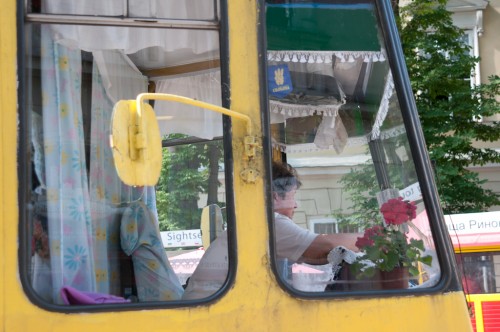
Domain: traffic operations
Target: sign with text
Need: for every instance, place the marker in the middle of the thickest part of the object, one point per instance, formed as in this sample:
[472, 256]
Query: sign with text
[411, 193]
[473, 223]
[185, 238]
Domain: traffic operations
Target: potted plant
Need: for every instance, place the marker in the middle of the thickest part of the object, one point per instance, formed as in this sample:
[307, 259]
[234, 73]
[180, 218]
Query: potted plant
[387, 253]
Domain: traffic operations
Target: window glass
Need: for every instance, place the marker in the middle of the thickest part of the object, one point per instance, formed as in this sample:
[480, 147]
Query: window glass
[91, 238]
[349, 177]
[178, 9]
[480, 272]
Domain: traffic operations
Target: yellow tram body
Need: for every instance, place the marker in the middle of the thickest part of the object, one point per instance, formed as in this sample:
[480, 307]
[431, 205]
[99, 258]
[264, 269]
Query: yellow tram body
[255, 302]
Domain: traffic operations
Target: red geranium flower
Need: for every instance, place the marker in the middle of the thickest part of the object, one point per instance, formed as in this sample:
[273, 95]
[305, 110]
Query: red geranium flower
[386, 247]
[396, 211]
[367, 239]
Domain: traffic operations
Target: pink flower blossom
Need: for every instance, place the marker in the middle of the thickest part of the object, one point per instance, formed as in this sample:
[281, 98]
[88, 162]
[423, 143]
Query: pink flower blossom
[362, 242]
[388, 247]
[367, 239]
[396, 211]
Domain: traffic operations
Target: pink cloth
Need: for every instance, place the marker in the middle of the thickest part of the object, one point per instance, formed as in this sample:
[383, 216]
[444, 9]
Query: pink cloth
[73, 296]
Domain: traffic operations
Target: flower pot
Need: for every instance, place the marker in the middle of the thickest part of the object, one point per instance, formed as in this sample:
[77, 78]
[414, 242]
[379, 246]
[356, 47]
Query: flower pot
[348, 281]
[381, 280]
[395, 279]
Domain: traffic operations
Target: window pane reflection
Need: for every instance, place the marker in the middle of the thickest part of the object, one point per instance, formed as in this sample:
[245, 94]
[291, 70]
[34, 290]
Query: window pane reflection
[336, 119]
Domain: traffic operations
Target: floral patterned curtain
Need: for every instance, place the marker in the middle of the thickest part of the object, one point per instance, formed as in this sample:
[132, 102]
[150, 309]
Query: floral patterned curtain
[68, 201]
[110, 195]
[81, 211]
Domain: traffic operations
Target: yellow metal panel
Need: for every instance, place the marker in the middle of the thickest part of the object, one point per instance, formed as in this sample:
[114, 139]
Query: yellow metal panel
[477, 249]
[254, 303]
[478, 313]
[8, 140]
[264, 309]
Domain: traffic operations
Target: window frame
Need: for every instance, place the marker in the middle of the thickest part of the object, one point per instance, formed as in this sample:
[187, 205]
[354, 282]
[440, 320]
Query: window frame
[449, 280]
[24, 18]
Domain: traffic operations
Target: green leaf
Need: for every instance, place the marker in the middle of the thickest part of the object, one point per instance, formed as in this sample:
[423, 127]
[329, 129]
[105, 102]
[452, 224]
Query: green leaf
[392, 261]
[426, 260]
[413, 271]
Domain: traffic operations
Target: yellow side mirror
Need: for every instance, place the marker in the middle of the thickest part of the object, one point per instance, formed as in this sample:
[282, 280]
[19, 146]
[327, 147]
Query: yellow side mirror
[136, 139]
[136, 143]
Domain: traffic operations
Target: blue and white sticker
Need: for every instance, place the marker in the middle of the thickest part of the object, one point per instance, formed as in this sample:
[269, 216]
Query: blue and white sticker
[279, 81]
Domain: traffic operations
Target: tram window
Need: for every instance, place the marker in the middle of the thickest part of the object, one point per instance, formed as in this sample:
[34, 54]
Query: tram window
[89, 237]
[335, 118]
[180, 9]
[480, 272]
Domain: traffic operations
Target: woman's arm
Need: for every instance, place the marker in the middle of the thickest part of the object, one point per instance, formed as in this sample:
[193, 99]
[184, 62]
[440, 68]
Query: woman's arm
[318, 250]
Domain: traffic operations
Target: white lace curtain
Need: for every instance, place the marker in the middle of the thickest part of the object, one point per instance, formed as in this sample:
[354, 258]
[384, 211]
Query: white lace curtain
[185, 119]
[178, 9]
[200, 45]
[131, 40]
[196, 45]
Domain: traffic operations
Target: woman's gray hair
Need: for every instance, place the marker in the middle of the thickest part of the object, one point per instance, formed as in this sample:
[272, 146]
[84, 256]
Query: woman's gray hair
[285, 179]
